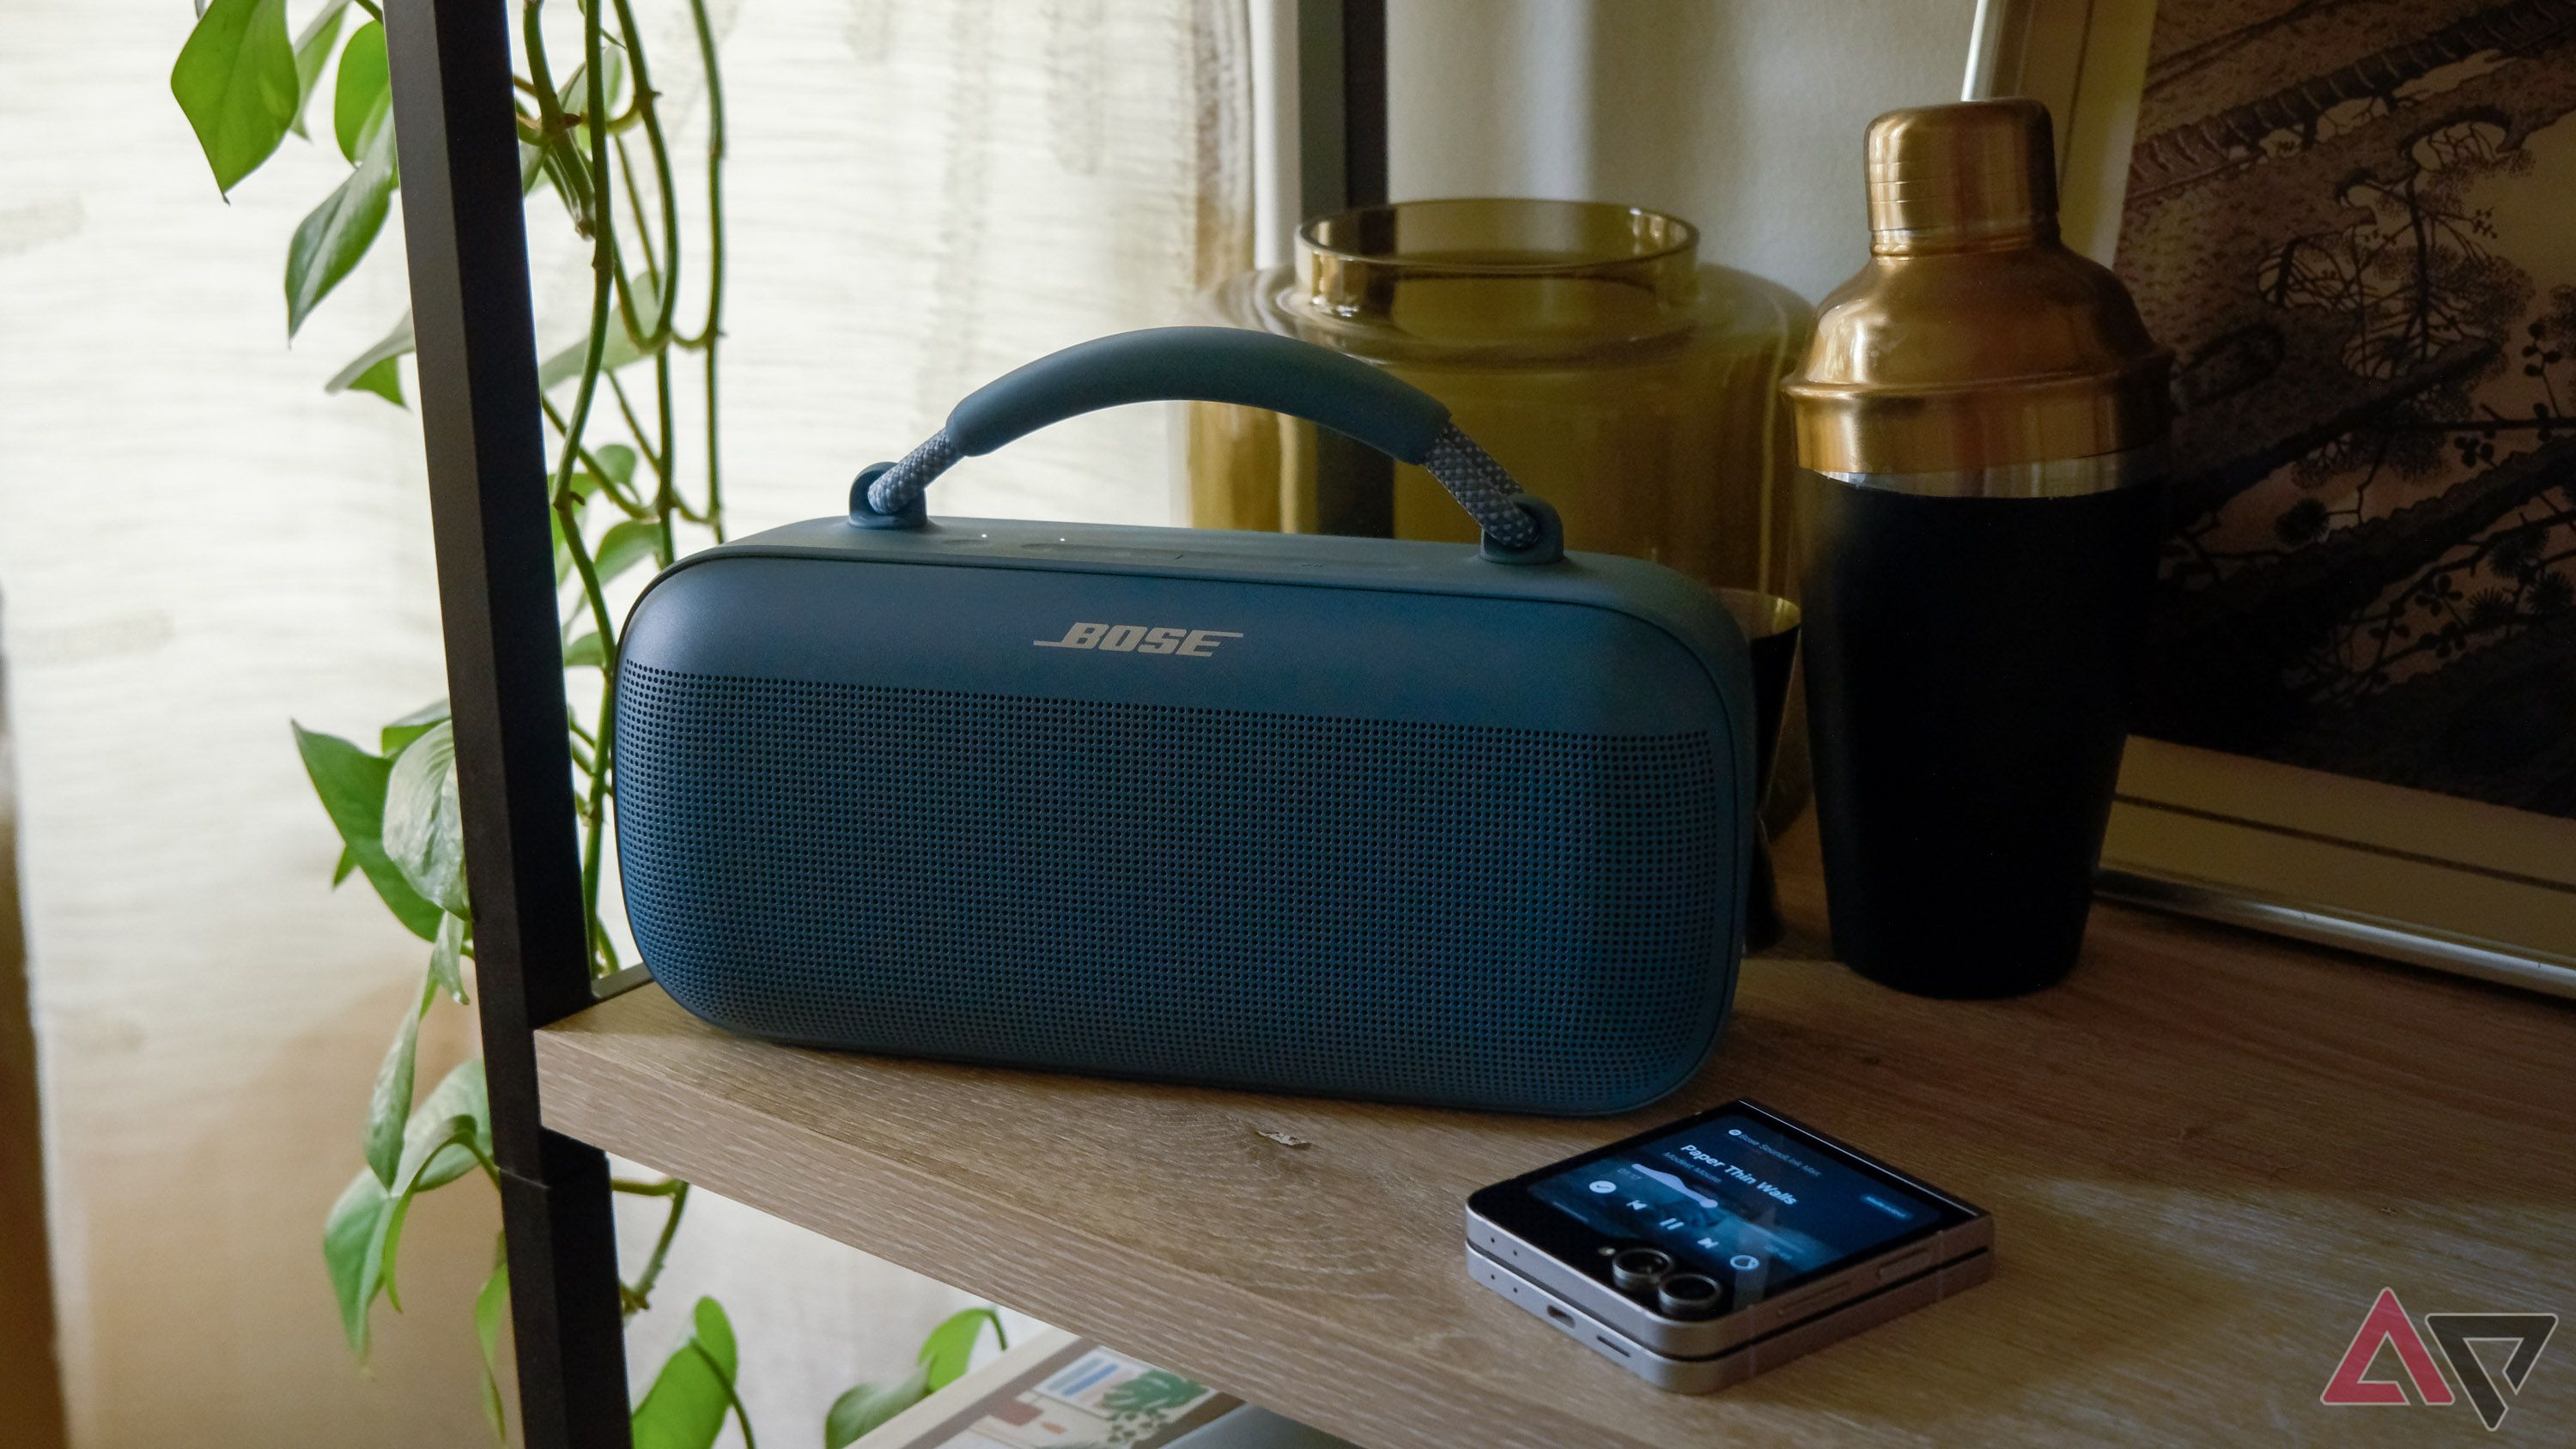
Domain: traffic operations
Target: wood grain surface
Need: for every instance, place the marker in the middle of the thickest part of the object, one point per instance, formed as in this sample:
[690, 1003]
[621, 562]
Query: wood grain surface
[2206, 1154]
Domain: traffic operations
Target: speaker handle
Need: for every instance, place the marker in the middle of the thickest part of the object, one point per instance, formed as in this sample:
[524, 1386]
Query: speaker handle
[1228, 365]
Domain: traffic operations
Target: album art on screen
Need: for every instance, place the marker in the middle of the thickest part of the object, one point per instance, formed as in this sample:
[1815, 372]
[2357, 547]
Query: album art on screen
[2359, 237]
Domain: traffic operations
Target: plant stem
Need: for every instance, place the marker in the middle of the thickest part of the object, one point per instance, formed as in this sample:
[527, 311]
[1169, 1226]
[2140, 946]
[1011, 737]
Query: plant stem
[741, 1415]
[665, 499]
[668, 280]
[594, 816]
[708, 337]
[542, 83]
[603, 266]
[639, 1296]
[635, 207]
[659, 458]
[634, 507]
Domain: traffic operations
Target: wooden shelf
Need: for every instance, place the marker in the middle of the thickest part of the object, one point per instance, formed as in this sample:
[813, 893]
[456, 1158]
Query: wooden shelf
[2206, 1154]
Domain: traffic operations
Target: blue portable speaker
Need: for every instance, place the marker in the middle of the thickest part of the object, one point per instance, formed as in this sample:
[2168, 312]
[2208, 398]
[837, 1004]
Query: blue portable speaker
[1424, 822]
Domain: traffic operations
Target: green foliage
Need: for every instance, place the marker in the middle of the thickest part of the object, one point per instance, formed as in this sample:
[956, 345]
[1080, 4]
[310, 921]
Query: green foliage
[950, 1348]
[313, 47]
[686, 1407]
[491, 1305]
[382, 378]
[626, 545]
[410, 727]
[351, 784]
[444, 1138]
[460, 1094]
[363, 89]
[447, 958]
[332, 238]
[945, 1354]
[616, 505]
[390, 1104]
[236, 80]
[618, 461]
[424, 829]
[447, 1135]
[376, 370]
[869, 1406]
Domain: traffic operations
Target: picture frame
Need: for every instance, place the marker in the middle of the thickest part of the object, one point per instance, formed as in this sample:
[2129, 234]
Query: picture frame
[2408, 874]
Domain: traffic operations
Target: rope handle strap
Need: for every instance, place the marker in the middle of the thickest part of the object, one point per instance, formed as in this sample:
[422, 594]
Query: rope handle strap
[1222, 364]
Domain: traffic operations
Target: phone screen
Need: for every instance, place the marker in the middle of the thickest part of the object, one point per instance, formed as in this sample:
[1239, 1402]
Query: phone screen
[1736, 1197]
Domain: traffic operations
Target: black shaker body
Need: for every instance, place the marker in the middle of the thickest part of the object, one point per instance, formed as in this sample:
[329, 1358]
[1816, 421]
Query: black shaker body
[1970, 663]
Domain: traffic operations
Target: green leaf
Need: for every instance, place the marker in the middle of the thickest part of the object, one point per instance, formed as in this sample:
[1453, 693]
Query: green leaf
[620, 350]
[384, 380]
[236, 81]
[446, 957]
[685, 1408]
[410, 1181]
[715, 1337]
[491, 1305]
[585, 653]
[424, 833]
[347, 863]
[379, 358]
[460, 1094]
[332, 238]
[410, 727]
[869, 1406]
[363, 1235]
[363, 87]
[353, 1246]
[626, 545]
[351, 784]
[312, 47]
[389, 1106]
[618, 461]
[948, 1349]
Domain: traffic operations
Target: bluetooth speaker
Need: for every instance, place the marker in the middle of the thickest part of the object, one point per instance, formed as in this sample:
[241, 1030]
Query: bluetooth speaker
[1464, 825]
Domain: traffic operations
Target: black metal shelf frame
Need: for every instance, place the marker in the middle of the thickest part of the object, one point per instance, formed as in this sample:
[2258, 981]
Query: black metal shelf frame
[466, 236]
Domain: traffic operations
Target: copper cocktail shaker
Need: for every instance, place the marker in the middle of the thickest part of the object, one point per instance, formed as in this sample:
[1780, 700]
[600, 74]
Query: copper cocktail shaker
[1981, 421]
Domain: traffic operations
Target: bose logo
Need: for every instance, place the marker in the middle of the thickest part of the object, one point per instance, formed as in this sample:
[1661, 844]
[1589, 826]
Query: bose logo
[1137, 639]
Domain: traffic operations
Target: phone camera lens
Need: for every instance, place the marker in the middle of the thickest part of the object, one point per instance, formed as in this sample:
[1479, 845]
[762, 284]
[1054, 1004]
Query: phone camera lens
[1638, 1269]
[1688, 1295]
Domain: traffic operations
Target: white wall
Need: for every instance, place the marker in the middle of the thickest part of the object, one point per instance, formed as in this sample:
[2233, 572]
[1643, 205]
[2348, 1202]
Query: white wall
[1743, 116]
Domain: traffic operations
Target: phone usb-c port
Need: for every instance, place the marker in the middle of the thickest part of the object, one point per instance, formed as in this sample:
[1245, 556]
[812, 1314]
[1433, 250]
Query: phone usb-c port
[1559, 1314]
[1614, 1348]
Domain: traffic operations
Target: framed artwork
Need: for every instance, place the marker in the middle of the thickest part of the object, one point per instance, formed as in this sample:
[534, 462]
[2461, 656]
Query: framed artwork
[2355, 225]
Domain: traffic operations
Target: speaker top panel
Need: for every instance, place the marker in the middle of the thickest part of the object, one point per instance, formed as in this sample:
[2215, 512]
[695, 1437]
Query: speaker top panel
[1353, 628]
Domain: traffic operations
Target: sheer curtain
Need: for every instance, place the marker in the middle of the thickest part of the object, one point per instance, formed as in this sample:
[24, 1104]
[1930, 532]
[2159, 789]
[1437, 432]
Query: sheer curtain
[196, 545]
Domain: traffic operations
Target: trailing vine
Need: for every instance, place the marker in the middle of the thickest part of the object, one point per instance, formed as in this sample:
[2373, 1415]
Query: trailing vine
[620, 494]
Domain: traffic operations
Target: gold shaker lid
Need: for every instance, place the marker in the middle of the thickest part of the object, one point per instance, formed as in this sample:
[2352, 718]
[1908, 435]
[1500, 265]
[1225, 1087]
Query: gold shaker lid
[1973, 338]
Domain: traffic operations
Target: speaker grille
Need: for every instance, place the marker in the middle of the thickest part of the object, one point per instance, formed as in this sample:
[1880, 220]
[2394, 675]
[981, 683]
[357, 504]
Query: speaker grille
[1461, 915]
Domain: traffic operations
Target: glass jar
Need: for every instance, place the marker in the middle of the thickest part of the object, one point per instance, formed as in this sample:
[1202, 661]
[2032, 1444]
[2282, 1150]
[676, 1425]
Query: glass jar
[1583, 344]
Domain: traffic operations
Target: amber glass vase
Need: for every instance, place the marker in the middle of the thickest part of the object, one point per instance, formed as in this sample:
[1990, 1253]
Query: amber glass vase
[1584, 344]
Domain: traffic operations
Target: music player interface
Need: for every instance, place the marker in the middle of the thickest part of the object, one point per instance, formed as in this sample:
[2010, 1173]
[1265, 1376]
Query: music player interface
[1739, 1200]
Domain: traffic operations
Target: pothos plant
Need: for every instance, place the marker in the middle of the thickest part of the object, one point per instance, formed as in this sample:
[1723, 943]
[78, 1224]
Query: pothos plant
[621, 493]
